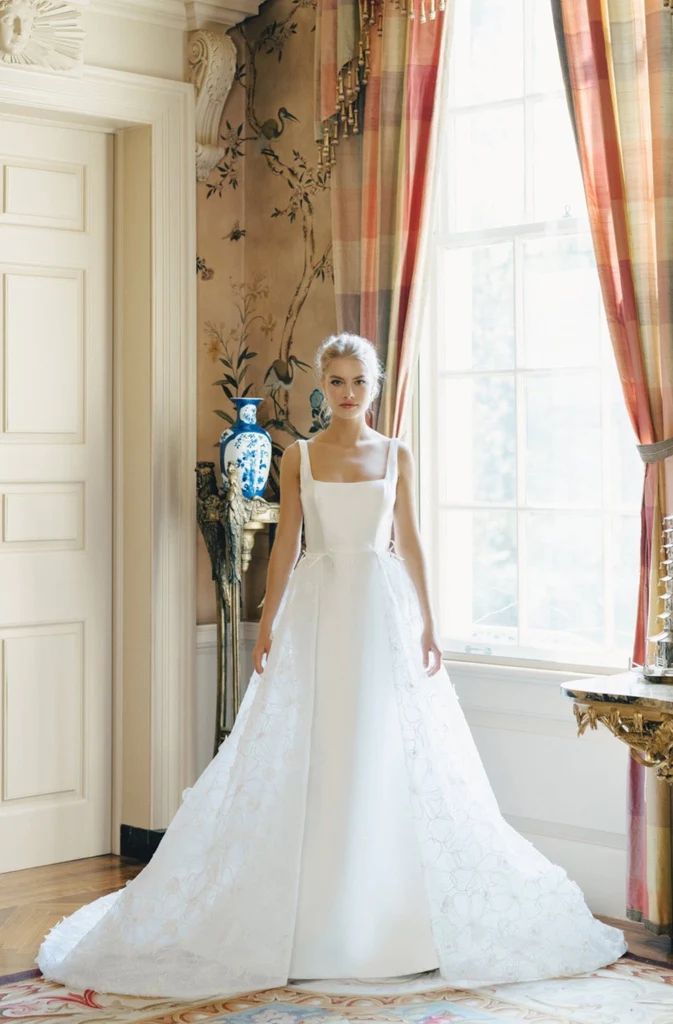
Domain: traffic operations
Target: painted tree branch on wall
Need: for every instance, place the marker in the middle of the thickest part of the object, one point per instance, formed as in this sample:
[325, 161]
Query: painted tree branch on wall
[304, 185]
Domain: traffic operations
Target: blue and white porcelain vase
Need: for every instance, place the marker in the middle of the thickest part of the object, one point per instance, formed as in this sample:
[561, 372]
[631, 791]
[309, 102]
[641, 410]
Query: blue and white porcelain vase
[248, 445]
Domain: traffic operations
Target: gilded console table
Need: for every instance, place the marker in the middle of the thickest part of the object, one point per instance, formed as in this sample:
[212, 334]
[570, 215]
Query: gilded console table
[637, 712]
[229, 523]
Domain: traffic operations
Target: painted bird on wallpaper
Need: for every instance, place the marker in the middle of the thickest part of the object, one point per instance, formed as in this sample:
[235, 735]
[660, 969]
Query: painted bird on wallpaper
[281, 373]
[273, 128]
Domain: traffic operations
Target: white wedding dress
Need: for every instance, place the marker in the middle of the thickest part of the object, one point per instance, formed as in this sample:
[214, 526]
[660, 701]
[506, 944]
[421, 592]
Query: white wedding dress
[346, 827]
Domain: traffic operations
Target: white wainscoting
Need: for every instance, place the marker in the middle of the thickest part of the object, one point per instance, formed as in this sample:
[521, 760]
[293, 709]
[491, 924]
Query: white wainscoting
[206, 684]
[564, 793]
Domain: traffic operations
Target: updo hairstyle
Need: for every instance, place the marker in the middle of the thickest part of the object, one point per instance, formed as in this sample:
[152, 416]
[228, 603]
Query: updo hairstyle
[350, 345]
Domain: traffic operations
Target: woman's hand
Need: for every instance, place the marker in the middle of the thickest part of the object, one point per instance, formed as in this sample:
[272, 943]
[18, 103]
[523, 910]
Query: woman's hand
[432, 652]
[408, 544]
[262, 646]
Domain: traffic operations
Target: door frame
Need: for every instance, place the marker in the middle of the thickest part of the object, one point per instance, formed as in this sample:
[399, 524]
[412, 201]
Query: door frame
[111, 100]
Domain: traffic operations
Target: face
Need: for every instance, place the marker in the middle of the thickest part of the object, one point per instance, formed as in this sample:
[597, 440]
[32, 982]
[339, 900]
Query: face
[347, 387]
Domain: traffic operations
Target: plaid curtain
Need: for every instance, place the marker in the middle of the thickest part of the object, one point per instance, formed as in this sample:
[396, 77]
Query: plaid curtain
[617, 57]
[376, 79]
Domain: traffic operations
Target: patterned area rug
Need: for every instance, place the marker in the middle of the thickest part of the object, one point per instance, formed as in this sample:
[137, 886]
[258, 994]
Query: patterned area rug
[630, 990]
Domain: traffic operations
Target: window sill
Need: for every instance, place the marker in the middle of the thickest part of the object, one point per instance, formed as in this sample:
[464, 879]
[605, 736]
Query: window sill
[492, 666]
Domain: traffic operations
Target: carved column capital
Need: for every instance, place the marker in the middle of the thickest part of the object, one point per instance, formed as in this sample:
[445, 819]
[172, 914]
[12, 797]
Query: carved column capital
[47, 33]
[212, 66]
[225, 13]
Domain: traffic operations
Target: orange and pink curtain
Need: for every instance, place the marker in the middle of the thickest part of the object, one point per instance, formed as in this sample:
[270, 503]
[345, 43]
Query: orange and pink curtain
[618, 61]
[377, 66]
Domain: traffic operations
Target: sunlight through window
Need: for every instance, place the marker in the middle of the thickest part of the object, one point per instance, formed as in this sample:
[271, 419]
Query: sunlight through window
[531, 483]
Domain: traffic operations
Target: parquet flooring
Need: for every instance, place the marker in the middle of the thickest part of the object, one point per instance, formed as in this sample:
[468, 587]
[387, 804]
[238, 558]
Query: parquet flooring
[33, 900]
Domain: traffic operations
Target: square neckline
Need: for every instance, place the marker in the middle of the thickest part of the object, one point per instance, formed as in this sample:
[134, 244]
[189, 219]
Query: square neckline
[350, 483]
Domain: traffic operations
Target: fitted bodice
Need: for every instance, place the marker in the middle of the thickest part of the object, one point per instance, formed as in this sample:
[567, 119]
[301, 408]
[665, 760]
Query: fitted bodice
[343, 516]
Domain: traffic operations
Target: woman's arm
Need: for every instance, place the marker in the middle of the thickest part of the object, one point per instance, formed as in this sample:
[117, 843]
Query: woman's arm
[408, 546]
[285, 550]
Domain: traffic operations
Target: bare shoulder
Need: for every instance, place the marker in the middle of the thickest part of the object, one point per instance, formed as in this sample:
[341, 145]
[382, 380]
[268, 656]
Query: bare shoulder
[405, 459]
[291, 451]
[289, 460]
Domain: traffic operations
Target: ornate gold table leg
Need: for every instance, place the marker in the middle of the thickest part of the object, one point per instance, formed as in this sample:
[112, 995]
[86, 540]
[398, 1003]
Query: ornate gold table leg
[229, 524]
[647, 731]
[235, 591]
[221, 731]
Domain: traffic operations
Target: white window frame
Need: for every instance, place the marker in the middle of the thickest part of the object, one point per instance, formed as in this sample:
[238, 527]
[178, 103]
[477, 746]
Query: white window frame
[426, 440]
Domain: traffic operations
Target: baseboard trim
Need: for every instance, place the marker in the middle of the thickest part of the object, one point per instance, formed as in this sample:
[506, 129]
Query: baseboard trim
[567, 833]
[139, 843]
[206, 634]
[9, 979]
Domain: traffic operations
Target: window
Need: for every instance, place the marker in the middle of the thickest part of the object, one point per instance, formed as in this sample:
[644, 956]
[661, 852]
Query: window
[530, 479]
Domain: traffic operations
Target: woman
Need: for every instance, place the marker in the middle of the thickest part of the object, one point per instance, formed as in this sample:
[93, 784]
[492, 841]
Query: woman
[346, 828]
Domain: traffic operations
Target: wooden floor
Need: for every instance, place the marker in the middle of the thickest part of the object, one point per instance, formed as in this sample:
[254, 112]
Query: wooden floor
[31, 901]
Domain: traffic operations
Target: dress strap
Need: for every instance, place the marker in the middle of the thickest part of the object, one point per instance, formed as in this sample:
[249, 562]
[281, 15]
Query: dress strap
[391, 469]
[304, 465]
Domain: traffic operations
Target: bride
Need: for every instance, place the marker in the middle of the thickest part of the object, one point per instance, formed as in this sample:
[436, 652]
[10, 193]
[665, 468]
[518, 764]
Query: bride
[347, 827]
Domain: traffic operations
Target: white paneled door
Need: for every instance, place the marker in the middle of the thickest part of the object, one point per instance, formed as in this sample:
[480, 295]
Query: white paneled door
[56, 204]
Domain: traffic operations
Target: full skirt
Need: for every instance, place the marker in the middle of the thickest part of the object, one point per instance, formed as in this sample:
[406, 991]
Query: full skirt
[346, 827]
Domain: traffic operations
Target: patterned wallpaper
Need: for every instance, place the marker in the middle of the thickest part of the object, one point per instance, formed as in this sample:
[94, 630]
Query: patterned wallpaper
[265, 284]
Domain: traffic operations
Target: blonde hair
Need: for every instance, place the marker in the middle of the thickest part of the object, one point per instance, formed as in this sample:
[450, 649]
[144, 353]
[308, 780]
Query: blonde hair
[353, 346]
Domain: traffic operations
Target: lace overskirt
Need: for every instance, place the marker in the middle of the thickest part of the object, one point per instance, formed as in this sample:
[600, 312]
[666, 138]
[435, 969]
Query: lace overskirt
[213, 912]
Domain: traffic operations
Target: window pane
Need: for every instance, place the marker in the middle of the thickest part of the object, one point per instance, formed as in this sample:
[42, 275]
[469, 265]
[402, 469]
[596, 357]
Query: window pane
[557, 178]
[562, 458]
[562, 303]
[472, 409]
[626, 576]
[535, 482]
[562, 580]
[488, 60]
[545, 66]
[475, 307]
[626, 468]
[478, 553]
[489, 168]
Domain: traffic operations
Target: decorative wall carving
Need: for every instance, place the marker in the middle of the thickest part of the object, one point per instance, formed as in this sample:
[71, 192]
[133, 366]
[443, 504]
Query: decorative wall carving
[47, 33]
[212, 66]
